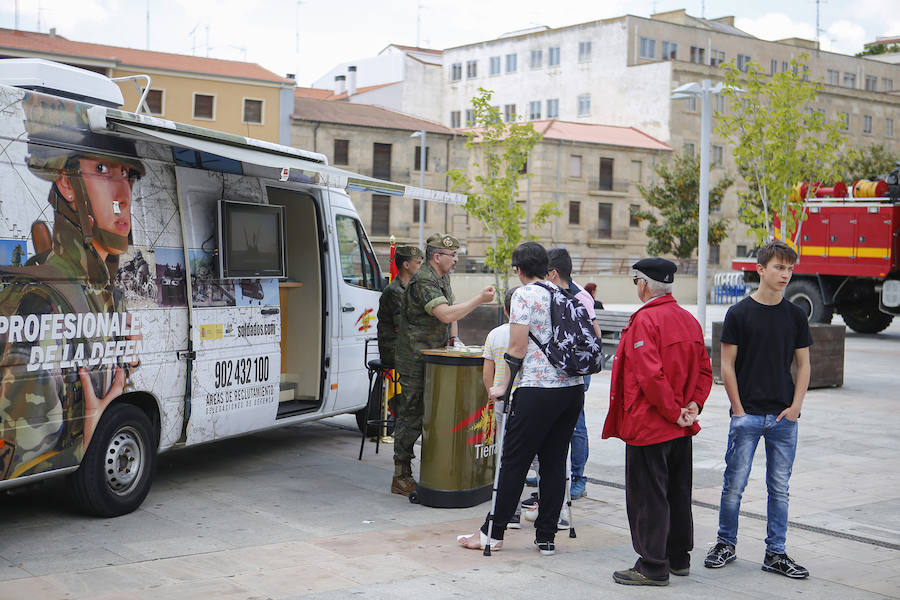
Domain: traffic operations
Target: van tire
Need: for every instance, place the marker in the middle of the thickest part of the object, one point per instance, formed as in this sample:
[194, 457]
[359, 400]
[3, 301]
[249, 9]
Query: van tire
[124, 435]
[867, 319]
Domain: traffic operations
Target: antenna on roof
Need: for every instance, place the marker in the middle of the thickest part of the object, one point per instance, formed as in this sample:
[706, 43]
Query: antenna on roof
[419, 24]
[193, 34]
[148, 24]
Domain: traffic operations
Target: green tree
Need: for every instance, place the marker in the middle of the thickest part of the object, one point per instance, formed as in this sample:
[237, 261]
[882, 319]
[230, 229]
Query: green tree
[876, 49]
[779, 139]
[675, 196]
[499, 153]
[864, 163]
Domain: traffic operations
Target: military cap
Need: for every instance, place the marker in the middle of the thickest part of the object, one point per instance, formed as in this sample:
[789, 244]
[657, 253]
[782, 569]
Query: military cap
[657, 269]
[444, 241]
[410, 251]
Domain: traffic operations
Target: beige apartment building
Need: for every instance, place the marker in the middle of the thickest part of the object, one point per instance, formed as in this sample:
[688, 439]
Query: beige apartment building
[589, 171]
[232, 96]
[623, 70]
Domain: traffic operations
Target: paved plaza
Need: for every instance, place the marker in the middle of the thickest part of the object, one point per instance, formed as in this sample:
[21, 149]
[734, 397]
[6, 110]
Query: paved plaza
[291, 513]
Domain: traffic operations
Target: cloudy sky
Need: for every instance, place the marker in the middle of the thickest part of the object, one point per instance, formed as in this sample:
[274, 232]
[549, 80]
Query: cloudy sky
[328, 32]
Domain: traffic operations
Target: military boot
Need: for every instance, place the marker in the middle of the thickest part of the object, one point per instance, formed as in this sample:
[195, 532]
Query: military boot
[403, 482]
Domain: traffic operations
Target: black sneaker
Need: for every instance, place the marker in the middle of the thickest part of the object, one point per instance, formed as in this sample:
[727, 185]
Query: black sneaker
[784, 565]
[635, 577]
[530, 501]
[545, 548]
[515, 522]
[719, 555]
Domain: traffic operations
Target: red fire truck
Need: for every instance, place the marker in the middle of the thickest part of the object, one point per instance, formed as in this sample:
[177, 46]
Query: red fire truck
[849, 263]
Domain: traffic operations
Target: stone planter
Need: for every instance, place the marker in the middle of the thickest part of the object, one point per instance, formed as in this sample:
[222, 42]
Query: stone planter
[826, 355]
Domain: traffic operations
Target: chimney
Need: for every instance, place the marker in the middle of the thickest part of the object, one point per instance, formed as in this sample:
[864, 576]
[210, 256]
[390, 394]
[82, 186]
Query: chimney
[351, 81]
[53, 32]
[339, 85]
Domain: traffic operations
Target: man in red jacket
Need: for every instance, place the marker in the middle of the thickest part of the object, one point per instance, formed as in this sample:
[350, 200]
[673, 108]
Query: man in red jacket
[661, 377]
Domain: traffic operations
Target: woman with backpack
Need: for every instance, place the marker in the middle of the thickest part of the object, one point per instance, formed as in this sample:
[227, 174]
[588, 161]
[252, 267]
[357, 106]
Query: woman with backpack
[545, 407]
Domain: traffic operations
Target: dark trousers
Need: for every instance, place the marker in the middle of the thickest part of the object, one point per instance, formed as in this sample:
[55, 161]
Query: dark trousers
[541, 423]
[658, 497]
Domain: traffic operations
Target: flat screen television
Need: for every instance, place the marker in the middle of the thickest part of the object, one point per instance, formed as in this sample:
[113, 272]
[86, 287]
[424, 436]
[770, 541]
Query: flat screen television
[251, 240]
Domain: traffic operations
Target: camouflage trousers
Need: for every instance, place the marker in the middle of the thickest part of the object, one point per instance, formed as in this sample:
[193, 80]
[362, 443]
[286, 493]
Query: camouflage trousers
[409, 410]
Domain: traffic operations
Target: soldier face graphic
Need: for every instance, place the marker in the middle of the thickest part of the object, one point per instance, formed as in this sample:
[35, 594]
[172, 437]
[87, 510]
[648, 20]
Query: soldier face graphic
[108, 189]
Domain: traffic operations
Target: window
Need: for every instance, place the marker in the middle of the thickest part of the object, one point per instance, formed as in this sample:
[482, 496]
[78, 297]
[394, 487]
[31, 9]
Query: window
[637, 171]
[669, 50]
[833, 77]
[253, 111]
[470, 117]
[471, 69]
[416, 205]
[850, 80]
[773, 67]
[342, 152]
[716, 57]
[574, 165]
[740, 250]
[553, 108]
[584, 105]
[784, 66]
[204, 106]
[511, 63]
[698, 55]
[719, 102]
[553, 57]
[417, 158]
[844, 119]
[889, 128]
[606, 174]
[381, 161]
[523, 170]
[154, 102]
[537, 59]
[691, 104]
[574, 212]
[358, 265]
[648, 48]
[381, 215]
[713, 254]
[867, 123]
[604, 221]
[509, 113]
[887, 84]
[716, 155]
[534, 110]
[633, 221]
[584, 51]
[743, 62]
[454, 119]
[871, 83]
[495, 65]
[455, 71]
[688, 148]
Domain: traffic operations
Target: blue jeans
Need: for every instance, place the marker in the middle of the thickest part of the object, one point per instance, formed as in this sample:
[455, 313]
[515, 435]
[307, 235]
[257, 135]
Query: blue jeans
[579, 447]
[781, 446]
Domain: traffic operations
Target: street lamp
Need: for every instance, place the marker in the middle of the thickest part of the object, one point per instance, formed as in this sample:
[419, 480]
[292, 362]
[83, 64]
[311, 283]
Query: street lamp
[422, 134]
[704, 92]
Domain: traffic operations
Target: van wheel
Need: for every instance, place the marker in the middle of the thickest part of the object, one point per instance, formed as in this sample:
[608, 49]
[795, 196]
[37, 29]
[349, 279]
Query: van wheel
[805, 294]
[866, 319]
[116, 472]
[375, 403]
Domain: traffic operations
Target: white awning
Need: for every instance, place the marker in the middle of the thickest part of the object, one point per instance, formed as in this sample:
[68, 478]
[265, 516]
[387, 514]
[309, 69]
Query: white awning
[289, 168]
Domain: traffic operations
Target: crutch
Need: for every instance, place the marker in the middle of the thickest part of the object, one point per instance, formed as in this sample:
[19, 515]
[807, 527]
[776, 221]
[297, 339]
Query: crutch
[514, 365]
[568, 496]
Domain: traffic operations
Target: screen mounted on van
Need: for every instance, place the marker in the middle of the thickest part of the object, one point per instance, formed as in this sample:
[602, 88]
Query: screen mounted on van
[251, 240]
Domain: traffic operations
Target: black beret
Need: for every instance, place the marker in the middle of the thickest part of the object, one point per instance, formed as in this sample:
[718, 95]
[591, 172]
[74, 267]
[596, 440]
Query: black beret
[657, 269]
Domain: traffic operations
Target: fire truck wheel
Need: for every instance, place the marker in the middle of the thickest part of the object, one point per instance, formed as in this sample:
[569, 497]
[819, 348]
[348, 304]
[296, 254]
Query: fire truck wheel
[117, 469]
[806, 295]
[866, 319]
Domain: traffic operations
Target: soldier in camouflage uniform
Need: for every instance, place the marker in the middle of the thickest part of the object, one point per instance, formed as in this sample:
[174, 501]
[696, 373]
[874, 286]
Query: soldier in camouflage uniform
[47, 416]
[431, 319]
[408, 260]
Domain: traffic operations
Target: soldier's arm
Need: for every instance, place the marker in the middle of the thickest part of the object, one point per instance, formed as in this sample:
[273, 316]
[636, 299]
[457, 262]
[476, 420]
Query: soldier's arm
[448, 313]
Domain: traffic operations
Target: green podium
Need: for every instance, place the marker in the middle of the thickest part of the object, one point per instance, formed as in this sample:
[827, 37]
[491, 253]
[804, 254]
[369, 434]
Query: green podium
[458, 431]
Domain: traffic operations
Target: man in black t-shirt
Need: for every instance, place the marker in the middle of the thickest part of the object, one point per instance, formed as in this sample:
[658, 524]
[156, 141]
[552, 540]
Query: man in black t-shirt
[761, 336]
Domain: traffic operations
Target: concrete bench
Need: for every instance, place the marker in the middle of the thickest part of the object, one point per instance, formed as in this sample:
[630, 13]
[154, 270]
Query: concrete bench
[611, 324]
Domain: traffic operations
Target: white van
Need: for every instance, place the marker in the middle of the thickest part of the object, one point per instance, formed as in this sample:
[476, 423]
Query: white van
[164, 285]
